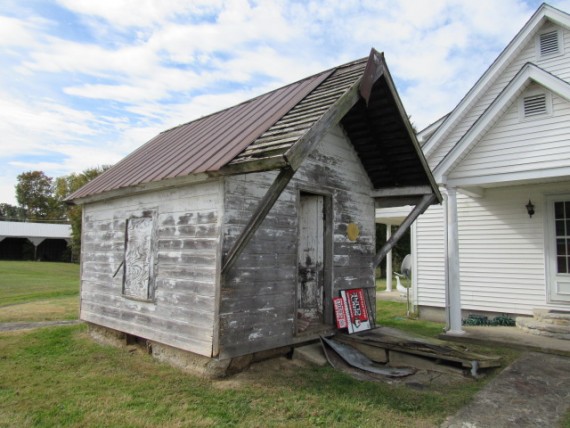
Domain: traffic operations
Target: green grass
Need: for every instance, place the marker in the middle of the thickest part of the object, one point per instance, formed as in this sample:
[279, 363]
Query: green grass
[60, 308]
[24, 282]
[59, 377]
[393, 314]
[34, 291]
[380, 284]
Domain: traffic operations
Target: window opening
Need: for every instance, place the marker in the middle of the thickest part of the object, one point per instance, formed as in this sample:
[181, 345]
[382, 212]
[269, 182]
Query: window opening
[139, 259]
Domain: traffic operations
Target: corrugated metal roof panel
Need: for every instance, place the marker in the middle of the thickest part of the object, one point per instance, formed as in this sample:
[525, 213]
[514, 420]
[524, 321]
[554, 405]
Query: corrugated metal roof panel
[259, 133]
[286, 131]
[204, 145]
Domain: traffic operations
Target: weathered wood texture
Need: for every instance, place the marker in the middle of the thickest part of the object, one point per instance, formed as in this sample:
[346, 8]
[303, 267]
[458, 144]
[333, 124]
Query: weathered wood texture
[258, 293]
[182, 311]
[391, 339]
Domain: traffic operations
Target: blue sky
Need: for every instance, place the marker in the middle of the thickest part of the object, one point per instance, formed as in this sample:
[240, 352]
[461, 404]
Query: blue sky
[83, 82]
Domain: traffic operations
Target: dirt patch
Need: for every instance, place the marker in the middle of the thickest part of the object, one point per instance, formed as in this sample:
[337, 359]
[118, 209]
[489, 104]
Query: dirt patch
[261, 370]
[422, 380]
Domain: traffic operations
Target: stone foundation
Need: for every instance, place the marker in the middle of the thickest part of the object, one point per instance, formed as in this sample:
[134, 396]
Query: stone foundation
[548, 323]
[211, 368]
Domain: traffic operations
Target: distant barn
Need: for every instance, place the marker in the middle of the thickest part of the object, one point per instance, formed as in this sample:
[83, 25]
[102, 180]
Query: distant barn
[34, 241]
[230, 235]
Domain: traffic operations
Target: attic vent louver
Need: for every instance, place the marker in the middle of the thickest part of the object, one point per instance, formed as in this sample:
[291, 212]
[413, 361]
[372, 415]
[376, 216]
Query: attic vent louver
[549, 43]
[535, 105]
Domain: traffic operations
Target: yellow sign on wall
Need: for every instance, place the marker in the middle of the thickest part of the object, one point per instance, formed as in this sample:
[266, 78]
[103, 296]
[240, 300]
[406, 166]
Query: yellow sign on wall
[352, 231]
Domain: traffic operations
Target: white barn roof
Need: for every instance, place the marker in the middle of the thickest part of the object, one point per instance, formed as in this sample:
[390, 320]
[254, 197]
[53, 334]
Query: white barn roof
[12, 229]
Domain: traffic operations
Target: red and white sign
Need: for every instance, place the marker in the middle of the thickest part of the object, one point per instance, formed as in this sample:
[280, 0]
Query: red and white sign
[355, 309]
[340, 312]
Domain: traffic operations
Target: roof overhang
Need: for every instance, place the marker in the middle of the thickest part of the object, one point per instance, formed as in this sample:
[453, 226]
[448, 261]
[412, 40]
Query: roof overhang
[382, 135]
[543, 14]
[527, 74]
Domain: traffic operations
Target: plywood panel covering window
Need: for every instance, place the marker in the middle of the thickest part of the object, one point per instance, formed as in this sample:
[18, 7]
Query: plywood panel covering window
[139, 258]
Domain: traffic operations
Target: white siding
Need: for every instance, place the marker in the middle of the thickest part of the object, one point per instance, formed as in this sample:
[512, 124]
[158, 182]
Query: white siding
[502, 261]
[557, 65]
[502, 254]
[515, 145]
[430, 273]
[188, 237]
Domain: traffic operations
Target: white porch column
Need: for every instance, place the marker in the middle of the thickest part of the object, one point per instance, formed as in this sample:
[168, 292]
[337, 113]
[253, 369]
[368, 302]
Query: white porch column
[389, 273]
[452, 285]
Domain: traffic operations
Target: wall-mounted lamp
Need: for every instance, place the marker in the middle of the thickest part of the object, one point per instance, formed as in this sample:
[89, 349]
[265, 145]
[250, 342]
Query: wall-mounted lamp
[530, 208]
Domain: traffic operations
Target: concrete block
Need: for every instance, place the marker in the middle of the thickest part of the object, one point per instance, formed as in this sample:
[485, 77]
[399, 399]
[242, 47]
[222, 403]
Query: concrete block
[312, 353]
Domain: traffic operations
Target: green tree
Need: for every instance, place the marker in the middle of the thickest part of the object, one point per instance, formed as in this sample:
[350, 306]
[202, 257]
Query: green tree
[65, 186]
[34, 193]
[12, 213]
[400, 251]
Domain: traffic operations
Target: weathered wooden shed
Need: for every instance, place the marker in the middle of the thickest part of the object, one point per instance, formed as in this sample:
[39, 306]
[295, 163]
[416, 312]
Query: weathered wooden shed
[230, 235]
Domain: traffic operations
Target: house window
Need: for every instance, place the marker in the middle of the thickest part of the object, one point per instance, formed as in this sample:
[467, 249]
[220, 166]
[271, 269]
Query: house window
[549, 44]
[138, 278]
[562, 228]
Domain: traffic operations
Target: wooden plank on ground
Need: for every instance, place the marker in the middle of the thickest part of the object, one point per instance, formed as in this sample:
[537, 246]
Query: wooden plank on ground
[395, 340]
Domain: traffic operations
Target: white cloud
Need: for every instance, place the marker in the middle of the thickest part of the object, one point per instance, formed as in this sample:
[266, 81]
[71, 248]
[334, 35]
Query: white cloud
[141, 66]
[15, 32]
[138, 13]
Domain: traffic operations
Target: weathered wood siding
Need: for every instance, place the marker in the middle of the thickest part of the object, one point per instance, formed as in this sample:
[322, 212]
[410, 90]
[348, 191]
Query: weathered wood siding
[516, 145]
[258, 295]
[557, 65]
[501, 250]
[187, 224]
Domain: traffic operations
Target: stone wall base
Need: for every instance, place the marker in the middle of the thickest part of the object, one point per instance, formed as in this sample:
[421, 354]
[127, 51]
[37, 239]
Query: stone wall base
[199, 365]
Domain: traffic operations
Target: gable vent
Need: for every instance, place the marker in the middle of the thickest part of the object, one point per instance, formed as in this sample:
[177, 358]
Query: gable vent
[549, 43]
[534, 105]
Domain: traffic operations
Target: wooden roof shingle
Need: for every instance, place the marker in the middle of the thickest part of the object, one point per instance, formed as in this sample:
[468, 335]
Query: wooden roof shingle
[279, 129]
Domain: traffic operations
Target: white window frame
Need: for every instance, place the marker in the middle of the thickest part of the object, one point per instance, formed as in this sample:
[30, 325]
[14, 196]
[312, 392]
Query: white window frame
[550, 252]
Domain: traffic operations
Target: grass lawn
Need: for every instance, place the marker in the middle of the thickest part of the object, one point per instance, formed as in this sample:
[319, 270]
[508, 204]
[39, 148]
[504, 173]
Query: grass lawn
[59, 377]
[35, 291]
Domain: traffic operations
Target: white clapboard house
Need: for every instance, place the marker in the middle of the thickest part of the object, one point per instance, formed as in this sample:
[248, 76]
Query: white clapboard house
[500, 242]
[231, 234]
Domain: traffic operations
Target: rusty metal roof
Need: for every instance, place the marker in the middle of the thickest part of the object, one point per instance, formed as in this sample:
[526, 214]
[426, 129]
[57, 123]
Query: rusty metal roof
[286, 131]
[262, 133]
[205, 144]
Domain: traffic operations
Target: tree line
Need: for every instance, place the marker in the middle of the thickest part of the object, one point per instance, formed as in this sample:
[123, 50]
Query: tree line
[42, 199]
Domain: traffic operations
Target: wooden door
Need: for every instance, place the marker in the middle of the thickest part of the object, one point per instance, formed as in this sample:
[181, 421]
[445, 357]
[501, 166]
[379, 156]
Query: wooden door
[310, 284]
